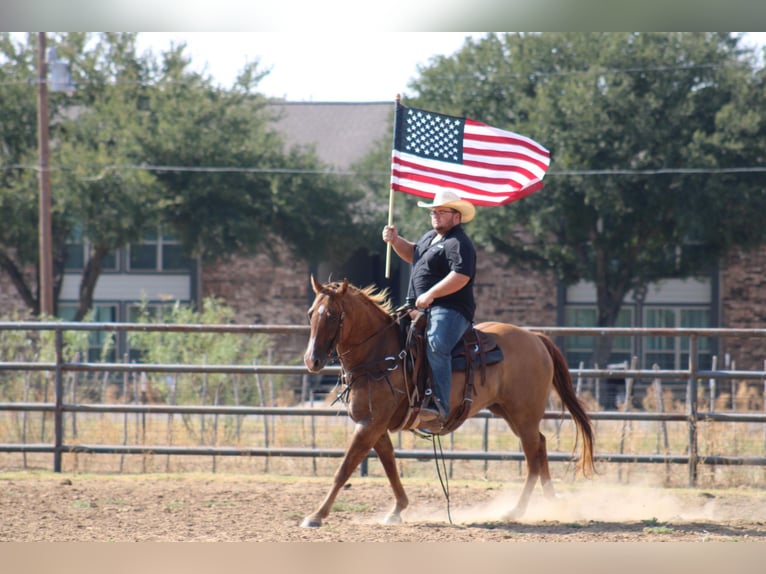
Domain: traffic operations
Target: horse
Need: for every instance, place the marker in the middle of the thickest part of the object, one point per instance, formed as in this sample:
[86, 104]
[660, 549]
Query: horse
[358, 324]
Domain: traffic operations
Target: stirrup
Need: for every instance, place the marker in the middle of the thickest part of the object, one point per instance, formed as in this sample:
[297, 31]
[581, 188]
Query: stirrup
[432, 403]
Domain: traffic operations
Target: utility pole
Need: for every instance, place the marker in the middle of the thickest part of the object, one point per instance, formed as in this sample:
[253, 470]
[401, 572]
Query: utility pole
[45, 284]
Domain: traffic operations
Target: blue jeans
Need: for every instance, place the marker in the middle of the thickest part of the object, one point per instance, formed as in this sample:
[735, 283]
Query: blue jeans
[445, 329]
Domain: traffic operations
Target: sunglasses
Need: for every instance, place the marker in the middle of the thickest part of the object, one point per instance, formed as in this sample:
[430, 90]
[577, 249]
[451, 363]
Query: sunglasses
[443, 212]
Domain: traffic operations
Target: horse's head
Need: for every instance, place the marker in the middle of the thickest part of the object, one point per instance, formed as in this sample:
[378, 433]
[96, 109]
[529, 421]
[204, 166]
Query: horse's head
[325, 320]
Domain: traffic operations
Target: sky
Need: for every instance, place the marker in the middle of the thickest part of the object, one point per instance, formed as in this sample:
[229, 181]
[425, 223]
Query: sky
[358, 67]
[306, 66]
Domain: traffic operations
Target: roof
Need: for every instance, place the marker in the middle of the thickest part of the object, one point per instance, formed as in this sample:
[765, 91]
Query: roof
[340, 132]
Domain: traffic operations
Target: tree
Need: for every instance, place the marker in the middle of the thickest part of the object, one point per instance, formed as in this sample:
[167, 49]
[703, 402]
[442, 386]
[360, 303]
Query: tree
[624, 115]
[237, 188]
[145, 143]
[93, 132]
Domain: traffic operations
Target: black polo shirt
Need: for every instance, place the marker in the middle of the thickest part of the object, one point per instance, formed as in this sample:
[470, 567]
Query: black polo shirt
[432, 262]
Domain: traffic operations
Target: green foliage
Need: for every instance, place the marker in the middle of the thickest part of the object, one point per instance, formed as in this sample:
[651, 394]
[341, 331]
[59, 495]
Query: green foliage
[35, 346]
[654, 526]
[192, 347]
[146, 142]
[372, 212]
[342, 505]
[239, 186]
[40, 345]
[622, 114]
[200, 348]
[18, 148]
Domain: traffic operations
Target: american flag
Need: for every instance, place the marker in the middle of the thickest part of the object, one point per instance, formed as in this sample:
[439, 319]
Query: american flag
[484, 165]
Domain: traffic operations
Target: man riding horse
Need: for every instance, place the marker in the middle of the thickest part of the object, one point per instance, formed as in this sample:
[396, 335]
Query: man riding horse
[441, 282]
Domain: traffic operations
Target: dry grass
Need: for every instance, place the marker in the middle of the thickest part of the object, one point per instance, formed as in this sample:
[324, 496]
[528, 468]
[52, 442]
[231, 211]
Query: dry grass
[334, 432]
[288, 431]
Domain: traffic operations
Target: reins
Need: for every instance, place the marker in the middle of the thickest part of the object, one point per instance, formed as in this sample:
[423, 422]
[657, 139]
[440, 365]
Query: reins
[359, 344]
[388, 363]
[443, 478]
[381, 367]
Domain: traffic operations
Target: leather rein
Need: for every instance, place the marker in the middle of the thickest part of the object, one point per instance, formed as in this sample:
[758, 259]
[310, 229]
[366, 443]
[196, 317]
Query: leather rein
[374, 335]
[375, 369]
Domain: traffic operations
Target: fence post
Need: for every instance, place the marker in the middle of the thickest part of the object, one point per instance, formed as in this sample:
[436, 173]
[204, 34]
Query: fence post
[712, 386]
[485, 445]
[627, 425]
[692, 408]
[657, 383]
[58, 412]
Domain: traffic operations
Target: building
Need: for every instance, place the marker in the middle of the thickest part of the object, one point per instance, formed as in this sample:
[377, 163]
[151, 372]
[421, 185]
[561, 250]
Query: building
[259, 291]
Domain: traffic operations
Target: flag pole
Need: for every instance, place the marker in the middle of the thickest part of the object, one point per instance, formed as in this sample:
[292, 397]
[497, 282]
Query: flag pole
[391, 203]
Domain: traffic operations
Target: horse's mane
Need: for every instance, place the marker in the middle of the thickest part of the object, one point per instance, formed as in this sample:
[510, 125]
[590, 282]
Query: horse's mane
[379, 297]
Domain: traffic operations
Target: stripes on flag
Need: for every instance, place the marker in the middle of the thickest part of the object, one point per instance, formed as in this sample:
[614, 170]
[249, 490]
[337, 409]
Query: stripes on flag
[483, 164]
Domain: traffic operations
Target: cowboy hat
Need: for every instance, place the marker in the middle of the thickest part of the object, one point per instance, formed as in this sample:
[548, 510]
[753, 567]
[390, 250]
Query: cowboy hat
[450, 199]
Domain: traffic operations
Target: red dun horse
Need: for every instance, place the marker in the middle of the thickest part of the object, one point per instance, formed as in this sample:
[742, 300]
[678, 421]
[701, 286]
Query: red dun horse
[358, 324]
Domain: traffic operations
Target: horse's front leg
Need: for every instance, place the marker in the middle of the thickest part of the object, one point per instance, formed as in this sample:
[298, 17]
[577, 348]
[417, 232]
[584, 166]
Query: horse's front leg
[363, 439]
[385, 449]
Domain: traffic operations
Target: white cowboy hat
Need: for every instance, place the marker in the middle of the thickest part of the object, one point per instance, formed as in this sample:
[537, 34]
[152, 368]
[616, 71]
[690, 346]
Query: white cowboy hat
[448, 198]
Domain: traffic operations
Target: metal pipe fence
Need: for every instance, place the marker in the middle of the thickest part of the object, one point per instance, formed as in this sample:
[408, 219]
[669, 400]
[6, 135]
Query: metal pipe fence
[60, 405]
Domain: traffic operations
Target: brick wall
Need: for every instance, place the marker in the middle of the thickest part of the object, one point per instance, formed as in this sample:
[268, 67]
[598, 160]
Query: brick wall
[259, 290]
[515, 295]
[262, 291]
[743, 304]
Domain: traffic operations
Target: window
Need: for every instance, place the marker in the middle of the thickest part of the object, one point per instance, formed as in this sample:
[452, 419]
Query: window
[78, 250]
[173, 257]
[673, 352]
[580, 348]
[158, 252]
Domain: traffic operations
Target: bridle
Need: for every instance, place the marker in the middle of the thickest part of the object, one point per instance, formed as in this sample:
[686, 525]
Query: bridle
[376, 368]
[339, 330]
[379, 369]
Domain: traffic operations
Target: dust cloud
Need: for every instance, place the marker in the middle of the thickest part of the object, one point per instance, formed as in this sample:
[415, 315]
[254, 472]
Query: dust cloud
[598, 501]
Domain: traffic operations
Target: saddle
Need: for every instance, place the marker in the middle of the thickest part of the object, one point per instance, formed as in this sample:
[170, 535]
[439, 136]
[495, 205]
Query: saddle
[476, 349]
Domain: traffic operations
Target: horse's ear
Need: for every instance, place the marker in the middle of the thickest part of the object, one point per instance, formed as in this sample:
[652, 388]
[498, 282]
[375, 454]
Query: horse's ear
[315, 285]
[343, 287]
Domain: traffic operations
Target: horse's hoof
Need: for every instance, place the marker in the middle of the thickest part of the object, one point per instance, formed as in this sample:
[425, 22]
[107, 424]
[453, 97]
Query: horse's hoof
[392, 519]
[513, 515]
[309, 522]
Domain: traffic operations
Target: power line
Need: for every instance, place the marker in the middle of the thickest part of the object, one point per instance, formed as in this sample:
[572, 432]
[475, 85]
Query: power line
[182, 168]
[660, 171]
[330, 171]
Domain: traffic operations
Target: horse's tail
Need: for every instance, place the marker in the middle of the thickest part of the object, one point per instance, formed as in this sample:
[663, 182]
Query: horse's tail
[562, 382]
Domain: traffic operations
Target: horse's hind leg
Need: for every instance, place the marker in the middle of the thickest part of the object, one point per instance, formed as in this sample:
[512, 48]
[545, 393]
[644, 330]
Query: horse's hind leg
[385, 449]
[545, 471]
[535, 451]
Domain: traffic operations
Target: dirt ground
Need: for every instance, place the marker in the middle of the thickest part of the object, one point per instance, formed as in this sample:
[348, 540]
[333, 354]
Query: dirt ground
[218, 507]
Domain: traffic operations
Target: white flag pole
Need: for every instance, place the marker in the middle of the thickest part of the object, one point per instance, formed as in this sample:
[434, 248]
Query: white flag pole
[391, 205]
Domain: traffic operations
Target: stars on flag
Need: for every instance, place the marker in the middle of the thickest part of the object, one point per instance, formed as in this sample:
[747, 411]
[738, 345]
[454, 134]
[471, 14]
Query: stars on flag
[432, 135]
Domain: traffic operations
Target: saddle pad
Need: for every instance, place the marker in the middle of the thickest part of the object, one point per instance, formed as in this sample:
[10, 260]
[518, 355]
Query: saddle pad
[490, 358]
